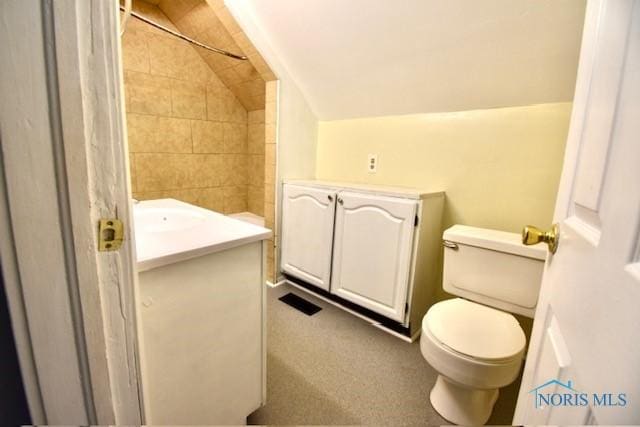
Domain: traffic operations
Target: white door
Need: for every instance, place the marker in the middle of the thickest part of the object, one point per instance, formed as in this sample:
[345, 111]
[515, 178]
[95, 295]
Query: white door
[372, 251]
[583, 364]
[307, 233]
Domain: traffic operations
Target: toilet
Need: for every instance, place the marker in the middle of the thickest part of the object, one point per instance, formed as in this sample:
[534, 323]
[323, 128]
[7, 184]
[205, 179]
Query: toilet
[474, 342]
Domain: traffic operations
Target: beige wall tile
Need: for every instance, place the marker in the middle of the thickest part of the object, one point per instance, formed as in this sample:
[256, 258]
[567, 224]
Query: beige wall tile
[197, 20]
[255, 117]
[235, 199]
[238, 112]
[256, 170]
[188, 100]
[269, 193]
[229, 76]
[254, 87]
[157, 172]
[215, 35]
[270, 113]
[235, 138]
[270, 154]
[244, 43]
[216, 61]
[270, 134]
[135, 53]
[152, 12]
[166, 55]
[255, 138]
[234, 169]
[255, 199]
[245, 99]
[216, 4]
[148, 94]
[211, 198]
[176, 9]
[271, 91]
[172, 57]
[208, 198]
[246, 72]
[214, 102]
[258, 101]
[269, 212]
[207, 136]
[171, 91]
[226, 107]
[154, 134]
[269, 174]
[206, 170]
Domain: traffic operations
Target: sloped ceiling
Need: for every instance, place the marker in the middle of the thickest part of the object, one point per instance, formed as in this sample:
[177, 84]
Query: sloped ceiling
[209, 22]
[358, 58]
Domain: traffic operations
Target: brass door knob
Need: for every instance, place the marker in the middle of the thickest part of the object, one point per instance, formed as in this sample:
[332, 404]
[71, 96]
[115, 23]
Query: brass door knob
[532, 235]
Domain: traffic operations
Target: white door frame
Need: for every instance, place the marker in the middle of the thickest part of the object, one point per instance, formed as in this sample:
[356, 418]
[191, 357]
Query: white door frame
[63, 165]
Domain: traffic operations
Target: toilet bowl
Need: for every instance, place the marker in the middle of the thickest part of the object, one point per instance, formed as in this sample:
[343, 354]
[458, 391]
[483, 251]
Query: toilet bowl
[459, 342]
[474, 342]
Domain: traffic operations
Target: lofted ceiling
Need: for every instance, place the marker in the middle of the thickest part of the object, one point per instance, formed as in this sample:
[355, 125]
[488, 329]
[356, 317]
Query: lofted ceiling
[359, 58]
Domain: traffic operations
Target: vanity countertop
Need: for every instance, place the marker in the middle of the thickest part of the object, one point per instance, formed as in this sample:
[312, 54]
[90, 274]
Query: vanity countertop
[169, 231]
[382, 190]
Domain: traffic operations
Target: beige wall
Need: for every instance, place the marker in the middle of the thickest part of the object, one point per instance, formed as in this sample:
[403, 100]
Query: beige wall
[500, 168]
[187, 131]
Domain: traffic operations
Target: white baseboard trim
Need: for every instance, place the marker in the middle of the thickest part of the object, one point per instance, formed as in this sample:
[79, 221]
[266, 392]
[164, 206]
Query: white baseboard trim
[355, 313]
[275, 285]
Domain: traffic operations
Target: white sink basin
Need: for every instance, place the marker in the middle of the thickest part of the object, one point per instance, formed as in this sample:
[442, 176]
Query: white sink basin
[169, 231]
[157, 220]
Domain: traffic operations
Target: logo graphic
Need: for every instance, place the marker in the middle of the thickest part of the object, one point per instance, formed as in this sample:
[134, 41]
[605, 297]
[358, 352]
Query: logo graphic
[556, 393]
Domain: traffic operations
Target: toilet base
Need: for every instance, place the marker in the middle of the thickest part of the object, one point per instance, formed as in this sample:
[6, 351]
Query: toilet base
[461, 405]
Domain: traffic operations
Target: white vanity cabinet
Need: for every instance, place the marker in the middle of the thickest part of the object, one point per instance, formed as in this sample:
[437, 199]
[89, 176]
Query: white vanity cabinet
[202, 301]
[376, 247]
[307, 217]
[373, 246]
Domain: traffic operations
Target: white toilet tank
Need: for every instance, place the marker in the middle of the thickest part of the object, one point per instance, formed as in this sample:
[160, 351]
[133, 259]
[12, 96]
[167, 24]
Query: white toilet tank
[493, 268]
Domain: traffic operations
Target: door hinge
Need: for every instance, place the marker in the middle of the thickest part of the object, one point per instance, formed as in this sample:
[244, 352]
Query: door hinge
[110, 234]
[416, 221]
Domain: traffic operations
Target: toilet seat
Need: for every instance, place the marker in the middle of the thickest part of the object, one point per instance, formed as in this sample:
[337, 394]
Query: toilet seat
[474, 330]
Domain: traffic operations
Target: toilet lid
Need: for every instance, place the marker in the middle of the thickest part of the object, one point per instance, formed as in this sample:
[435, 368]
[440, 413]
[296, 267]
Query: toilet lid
[475, 330]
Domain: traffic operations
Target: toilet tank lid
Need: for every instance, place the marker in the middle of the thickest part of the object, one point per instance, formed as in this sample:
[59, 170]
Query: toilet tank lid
[496, 240]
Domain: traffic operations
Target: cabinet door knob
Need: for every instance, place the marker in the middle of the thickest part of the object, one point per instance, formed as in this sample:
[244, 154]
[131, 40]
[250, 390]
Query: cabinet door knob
[330, 197]
[340, 200]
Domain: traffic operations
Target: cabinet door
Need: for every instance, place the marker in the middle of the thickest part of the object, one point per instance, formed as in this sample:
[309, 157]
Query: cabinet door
[373, 246]
[307, 233]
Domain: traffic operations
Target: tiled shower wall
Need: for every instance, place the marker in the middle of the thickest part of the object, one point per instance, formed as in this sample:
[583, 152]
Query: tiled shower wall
[256, 162]
[270, 180]
[188, 134]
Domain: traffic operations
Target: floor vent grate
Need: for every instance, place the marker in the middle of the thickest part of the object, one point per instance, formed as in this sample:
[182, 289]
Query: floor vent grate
[300, 304]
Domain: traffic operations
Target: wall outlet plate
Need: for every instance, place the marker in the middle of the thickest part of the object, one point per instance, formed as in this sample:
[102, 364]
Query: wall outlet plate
[372, 163]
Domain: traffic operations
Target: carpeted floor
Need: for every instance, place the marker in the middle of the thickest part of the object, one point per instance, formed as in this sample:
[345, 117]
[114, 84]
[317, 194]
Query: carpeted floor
[333, 368]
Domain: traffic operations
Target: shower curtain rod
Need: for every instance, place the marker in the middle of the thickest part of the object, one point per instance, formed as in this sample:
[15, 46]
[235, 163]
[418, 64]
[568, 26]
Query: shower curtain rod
[183, 37]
